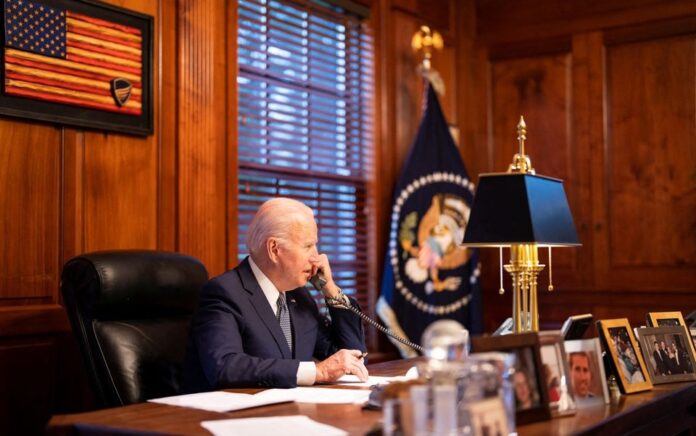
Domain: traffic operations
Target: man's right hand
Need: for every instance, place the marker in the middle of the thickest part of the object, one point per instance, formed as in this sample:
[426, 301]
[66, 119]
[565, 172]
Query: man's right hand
[341, 363]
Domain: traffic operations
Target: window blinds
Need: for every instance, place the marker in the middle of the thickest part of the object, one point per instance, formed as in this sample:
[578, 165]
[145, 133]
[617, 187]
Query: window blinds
[305, 123]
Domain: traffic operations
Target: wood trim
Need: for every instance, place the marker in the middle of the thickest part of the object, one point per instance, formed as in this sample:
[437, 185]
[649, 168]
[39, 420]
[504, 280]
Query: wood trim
[516, 49]
[503, 21]
[232, 139]
[653, 30]
[33, 320]
[166, 121]
[72, 193]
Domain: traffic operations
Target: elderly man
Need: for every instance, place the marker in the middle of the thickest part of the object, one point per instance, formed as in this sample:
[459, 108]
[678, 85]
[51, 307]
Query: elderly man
[257, 325]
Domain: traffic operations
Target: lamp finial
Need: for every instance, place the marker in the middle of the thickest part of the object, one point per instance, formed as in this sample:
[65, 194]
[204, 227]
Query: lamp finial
[520, 162]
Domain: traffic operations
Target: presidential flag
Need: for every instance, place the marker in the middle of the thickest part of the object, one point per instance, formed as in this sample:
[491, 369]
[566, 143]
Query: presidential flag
[427, 275]
[57, 55]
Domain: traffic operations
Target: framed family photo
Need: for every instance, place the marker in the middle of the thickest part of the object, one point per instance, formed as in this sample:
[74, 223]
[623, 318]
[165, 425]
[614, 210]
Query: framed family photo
[668, 354]
[556, 373]
[627, 361]
[587, 376]
[664, 319]
[531, 396]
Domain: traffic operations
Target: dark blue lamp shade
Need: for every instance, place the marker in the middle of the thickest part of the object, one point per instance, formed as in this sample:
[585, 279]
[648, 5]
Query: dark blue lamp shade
[514, 208]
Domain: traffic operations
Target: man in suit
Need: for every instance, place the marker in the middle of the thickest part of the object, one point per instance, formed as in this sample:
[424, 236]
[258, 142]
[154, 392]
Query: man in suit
[659, 362]
[257, 325]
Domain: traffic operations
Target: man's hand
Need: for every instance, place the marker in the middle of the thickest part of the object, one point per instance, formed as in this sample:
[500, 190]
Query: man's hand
[321, 262]
[341, 363]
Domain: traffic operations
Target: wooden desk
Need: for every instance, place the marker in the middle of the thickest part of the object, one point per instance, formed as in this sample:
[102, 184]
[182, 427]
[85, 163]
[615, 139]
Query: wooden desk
[667, 409]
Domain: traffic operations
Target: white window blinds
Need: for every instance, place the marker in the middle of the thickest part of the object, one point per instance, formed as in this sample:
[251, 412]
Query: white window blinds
[305, 123]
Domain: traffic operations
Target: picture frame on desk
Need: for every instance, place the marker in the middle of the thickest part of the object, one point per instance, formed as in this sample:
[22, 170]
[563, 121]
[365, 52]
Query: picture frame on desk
[488, 417]
[663, 319]
[531, 396]
[587, 375]
[668, 353]
[556, 373]
[625, 356]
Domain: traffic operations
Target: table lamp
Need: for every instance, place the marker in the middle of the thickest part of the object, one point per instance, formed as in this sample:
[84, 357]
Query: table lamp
[523, 211]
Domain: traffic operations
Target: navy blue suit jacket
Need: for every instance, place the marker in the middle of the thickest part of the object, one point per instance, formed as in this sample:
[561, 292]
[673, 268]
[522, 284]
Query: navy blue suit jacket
[236, 340]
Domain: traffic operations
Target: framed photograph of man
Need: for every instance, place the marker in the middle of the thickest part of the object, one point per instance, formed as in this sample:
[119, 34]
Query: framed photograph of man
[531, 396]
[556, 374]
[627, 361]
[668, 354]
[693, 337]
[587, 377]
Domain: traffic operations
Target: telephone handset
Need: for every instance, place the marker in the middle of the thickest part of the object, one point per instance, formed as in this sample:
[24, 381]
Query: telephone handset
[319, 281]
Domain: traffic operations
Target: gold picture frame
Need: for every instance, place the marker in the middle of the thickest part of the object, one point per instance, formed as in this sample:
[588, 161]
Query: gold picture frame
[626, 358]
[661, 319]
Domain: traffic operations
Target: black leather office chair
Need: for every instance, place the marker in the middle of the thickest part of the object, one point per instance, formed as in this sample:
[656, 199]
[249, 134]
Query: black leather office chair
[130, 312]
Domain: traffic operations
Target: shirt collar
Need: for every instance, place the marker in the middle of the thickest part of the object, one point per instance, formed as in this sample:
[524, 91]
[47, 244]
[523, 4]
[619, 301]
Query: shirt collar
[267, 286]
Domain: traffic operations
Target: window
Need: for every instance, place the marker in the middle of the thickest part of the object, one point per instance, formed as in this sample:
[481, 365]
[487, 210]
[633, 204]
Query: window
[305, 123]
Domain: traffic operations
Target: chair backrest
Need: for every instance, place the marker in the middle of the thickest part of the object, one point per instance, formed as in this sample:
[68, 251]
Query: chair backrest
[130, 311]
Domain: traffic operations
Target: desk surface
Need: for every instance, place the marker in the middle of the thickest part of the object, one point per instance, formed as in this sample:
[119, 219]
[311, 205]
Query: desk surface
[669, 408]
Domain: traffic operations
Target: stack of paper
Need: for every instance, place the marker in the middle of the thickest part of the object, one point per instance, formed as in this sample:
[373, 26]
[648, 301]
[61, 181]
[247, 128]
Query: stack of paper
[227, 401]
[271, 426]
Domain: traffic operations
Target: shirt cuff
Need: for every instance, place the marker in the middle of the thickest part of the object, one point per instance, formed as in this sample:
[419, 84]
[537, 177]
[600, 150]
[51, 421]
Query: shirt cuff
[306, 374]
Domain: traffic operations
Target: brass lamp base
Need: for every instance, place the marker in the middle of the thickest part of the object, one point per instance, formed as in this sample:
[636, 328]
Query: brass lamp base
[524, 267]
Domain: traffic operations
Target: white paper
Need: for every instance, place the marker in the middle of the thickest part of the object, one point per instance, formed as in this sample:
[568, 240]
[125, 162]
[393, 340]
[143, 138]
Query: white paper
[271, 426]
[353, 380]
[328, 395]
[226, 401]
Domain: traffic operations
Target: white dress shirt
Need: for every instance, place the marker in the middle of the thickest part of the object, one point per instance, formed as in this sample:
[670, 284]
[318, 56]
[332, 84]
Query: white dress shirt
[307, 371]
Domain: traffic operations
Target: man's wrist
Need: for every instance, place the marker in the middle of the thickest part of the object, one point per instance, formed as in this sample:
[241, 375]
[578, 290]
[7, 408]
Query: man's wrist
[339, 299]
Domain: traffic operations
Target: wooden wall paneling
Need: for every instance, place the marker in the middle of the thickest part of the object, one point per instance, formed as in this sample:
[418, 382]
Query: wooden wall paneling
[29, 192]
[121, 176]
[120, 183]
[503, 21]
[202, 166]
[649, 168]
[167, 116]
[28, 386]
[538, 88]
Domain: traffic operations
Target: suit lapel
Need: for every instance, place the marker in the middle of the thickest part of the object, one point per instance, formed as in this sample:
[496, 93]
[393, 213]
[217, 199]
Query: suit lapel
[262, 308]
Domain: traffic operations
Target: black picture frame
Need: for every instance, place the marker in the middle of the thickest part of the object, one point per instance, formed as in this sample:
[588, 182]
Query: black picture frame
[673, 363]
[526, 348]
[79, 116]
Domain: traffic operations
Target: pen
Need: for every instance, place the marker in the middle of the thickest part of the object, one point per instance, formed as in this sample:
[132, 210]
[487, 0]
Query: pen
[363, 355]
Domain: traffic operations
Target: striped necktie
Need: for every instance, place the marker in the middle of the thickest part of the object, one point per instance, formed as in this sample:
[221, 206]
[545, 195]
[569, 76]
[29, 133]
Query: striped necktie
[284, 319]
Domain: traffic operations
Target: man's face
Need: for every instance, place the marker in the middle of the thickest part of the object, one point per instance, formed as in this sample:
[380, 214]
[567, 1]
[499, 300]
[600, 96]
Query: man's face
[297, 256]
[580, 370]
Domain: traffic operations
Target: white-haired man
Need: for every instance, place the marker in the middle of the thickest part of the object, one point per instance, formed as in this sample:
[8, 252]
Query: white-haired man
[257, 325]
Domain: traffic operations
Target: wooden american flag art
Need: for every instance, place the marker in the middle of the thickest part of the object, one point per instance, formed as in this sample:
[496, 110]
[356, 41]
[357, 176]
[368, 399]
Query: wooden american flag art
[56, 55]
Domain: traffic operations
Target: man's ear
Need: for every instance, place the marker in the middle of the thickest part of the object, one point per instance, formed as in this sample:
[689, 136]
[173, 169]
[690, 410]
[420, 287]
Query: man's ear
[273, 249]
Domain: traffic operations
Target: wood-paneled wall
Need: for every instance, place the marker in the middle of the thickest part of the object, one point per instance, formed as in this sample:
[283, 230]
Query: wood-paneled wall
[607, 90]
